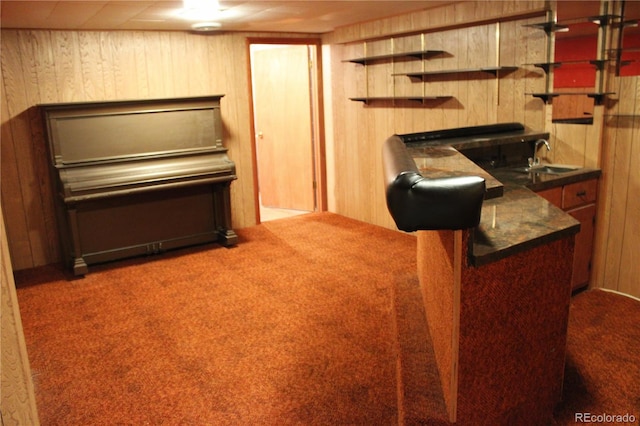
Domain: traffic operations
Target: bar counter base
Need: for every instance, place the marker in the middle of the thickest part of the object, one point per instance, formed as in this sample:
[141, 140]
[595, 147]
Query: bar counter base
[499, 330]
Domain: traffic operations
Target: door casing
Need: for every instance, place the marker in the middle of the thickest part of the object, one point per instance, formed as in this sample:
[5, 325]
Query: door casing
[316, 90]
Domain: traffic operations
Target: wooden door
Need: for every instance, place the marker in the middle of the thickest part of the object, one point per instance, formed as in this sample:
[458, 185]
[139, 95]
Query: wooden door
[282, 111]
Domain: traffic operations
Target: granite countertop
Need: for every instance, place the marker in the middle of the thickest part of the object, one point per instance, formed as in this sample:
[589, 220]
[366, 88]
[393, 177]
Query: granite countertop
[446, 161]
[518, 221]
[513, 217]
[521, 219]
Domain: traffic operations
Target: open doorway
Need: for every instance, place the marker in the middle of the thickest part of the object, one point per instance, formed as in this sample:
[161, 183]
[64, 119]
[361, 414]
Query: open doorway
[286, 128]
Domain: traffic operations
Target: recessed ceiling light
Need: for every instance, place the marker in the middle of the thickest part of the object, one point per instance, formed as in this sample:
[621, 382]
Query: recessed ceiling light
[206, 26]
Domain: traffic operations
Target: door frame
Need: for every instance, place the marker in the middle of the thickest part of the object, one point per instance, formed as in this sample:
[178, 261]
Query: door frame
[318, 137]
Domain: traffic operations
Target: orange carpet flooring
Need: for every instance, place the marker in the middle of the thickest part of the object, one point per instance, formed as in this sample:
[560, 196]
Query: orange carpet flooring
[311, 320]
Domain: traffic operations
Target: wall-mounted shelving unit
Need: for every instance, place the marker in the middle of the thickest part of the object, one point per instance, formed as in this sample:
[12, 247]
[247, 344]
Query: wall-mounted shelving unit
[497, 72]
[599, 63]
[388, 71]
[421, 55]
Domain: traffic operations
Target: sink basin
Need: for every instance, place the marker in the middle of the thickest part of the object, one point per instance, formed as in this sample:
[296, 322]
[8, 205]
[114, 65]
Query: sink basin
[550, 169]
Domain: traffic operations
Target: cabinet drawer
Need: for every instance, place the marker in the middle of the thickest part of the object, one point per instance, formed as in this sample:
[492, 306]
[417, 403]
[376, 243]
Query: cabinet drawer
[579, 193]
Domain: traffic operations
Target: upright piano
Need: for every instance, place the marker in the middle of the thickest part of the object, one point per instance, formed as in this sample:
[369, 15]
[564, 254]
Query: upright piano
[138, 177]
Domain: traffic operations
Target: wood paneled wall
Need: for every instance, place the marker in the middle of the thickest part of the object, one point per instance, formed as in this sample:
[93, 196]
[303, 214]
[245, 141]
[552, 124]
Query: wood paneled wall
[471, 32]
[577, 144]
[572, 107]
[456, 13]
[17, 394]
[77, 66]
[617, 247]
[359, 130]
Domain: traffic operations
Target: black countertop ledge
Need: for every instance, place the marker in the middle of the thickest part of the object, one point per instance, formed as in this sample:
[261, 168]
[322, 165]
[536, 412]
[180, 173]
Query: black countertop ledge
[514, 218]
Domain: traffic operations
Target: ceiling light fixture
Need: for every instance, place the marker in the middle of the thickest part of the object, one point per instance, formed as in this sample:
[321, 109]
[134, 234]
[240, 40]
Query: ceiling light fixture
[206, 26]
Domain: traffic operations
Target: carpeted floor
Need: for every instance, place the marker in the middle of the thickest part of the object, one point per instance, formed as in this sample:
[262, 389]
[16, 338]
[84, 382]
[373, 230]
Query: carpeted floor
[602, 371]
[310, 320]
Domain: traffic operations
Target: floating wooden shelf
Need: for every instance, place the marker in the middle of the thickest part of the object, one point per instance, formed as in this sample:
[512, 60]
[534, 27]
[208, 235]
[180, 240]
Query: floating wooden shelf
[426, 74]
[626, 49]
[628, 23]
[546, 66]
[546, 97]
[549, 27]
[599, 97]
[583, 120]
[556, 27]
[598, 63]
[603, 19]
[625, 62]
[421, 99]
[421, 54]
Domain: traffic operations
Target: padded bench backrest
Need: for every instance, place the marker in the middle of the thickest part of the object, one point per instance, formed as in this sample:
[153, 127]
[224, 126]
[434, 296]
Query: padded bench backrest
[419, 203]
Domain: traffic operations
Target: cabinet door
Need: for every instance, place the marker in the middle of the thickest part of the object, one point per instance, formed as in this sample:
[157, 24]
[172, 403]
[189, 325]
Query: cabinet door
[584, 245]
[552, 195]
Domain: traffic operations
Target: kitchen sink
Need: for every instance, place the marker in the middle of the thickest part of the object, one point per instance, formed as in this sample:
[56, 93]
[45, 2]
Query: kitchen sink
[550, 169]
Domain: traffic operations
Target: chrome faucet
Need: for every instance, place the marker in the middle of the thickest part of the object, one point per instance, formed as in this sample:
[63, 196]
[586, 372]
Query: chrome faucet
[535, 161]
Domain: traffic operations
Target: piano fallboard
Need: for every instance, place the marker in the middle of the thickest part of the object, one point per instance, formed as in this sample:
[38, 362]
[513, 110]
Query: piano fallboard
[93, 181]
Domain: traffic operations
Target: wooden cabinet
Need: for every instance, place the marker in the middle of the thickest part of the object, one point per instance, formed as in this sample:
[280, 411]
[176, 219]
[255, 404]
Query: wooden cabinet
[578, 199]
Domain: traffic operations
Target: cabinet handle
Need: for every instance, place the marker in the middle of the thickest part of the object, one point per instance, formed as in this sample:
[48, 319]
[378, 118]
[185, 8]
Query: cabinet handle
[582, 193]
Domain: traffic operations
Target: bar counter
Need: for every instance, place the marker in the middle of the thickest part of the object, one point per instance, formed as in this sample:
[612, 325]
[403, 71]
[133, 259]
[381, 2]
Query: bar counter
[497, 296]
[514, 218]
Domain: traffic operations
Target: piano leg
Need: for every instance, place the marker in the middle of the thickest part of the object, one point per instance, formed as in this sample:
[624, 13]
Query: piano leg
[79, 265]
[222, 199]
[227, 237]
